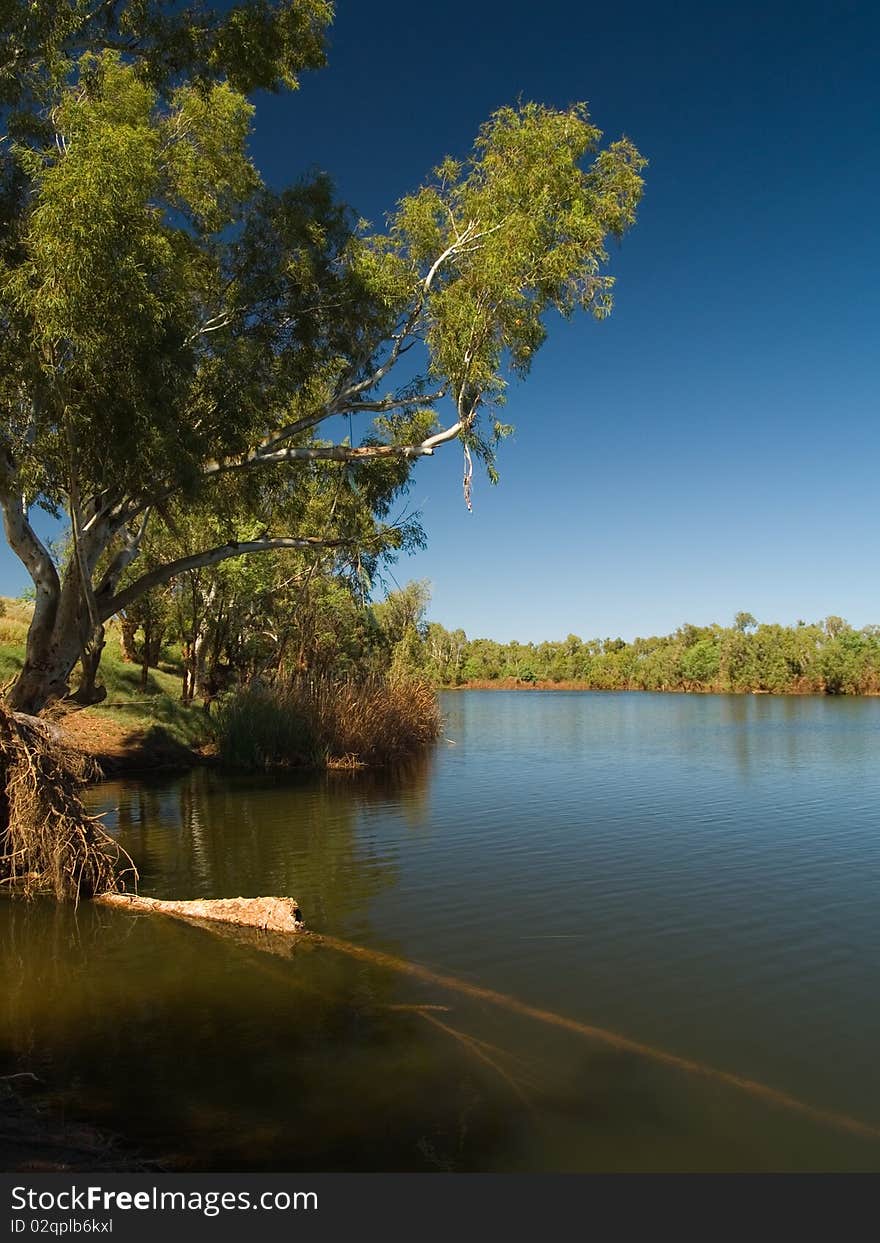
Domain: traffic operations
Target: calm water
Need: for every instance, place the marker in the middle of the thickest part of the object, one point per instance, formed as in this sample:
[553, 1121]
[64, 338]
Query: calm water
[698, 873]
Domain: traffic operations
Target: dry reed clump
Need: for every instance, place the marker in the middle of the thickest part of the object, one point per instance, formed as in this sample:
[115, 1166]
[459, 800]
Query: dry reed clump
[313, 722]
[48, 841]
[375, 722]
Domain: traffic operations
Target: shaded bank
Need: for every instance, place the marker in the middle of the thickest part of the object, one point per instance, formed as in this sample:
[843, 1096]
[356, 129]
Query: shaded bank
[116, 748]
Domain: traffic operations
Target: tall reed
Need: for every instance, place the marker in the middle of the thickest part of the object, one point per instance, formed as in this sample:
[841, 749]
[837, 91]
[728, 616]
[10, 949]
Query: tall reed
[325, 722]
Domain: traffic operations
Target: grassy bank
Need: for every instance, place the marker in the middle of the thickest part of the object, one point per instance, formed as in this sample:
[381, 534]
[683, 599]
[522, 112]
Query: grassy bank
[303, 724]
[136, 727]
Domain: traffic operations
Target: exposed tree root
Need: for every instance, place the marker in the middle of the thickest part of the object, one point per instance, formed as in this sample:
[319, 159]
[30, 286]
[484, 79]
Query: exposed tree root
[48, 841]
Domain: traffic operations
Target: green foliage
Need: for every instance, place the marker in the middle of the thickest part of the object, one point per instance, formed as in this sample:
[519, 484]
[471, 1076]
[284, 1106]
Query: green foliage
[403, 611]
[744, 622]
[407, 659]
[849, 662]
[701, 663]
[443, 654]
[822, 658]
[253, 44]
[109, 275]
[523, 226]
[178, 341]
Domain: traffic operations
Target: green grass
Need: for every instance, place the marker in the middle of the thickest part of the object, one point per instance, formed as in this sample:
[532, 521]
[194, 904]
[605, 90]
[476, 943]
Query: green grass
[158, 706]
[11, 659]
[15, 616]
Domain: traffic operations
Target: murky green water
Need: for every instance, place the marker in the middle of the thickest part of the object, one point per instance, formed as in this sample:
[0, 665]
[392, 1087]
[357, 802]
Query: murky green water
[700, 874]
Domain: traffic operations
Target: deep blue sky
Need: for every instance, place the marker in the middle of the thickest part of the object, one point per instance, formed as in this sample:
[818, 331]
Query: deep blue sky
[714, 446]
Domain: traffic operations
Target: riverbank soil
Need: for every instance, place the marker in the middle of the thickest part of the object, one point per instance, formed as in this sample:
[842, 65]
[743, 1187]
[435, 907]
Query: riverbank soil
[118, 747]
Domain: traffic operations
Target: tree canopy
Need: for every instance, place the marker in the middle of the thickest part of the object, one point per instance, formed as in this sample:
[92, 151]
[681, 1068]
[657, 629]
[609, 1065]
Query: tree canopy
[184, 349]
[828, 657]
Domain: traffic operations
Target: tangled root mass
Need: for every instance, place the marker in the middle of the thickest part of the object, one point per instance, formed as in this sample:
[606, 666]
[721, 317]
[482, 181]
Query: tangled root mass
[48, 841]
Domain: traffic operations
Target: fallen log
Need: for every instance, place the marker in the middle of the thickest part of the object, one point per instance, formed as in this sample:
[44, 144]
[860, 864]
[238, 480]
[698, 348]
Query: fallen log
[264, 914]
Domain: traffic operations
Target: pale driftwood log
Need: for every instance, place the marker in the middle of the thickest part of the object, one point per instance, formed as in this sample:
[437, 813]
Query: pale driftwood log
[265, 914]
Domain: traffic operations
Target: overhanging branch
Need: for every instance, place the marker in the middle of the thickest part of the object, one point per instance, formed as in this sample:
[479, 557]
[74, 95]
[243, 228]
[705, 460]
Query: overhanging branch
[213, 556]
[335, 453]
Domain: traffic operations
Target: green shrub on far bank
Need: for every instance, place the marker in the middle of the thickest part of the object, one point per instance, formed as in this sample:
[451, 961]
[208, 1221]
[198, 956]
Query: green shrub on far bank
[311, 723]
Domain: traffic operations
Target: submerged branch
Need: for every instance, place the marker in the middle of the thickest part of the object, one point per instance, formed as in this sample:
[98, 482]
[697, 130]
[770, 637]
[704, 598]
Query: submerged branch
[751, 1087]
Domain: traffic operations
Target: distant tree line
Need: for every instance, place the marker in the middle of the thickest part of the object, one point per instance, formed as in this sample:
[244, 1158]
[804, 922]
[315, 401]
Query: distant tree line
[828, 657]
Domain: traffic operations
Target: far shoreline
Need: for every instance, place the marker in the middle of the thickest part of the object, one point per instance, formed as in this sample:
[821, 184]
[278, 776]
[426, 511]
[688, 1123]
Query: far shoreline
[514, 684]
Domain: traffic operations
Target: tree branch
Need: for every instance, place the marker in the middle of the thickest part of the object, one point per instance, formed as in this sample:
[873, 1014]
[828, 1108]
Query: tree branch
[380, 406]
[336, 453]
[76, 524]
[27, 546]
[123, 558]
[213, 556]
[393, 402]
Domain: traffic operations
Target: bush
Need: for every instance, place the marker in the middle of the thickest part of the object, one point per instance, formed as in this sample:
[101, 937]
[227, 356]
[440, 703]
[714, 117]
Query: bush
[264, 729]
[322, 722]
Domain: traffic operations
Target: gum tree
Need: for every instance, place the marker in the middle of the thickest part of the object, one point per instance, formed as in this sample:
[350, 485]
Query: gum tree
[173, 332]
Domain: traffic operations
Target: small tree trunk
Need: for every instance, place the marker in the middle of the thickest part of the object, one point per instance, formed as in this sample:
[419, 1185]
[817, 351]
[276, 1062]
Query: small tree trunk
[129, 647]
[154, 647]
[87, 691]
[145, 654]
[198, 665]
